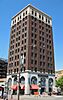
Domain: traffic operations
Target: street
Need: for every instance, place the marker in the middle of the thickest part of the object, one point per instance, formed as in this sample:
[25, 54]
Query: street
[31, 97]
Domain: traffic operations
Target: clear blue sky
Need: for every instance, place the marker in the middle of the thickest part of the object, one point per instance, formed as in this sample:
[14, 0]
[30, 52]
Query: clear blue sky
[9, 8]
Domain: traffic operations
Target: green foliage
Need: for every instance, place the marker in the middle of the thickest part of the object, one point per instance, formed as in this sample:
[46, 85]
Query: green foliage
[59, 82]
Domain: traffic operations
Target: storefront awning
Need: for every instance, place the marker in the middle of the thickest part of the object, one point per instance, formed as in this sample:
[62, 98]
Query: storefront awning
[34, 87]
[14, 87]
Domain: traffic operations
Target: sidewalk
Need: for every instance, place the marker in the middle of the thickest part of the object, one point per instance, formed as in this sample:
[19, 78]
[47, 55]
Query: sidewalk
[31, 97]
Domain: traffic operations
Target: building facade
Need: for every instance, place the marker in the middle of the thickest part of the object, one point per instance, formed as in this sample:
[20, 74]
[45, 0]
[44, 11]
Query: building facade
[31, 51]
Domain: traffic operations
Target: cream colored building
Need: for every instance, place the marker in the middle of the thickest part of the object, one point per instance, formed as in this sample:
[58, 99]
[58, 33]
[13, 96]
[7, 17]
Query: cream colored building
[59, 74]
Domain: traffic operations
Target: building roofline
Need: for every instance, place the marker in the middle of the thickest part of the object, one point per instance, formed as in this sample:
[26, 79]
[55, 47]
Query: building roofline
[59, 70]
[29, 5]
[5, 60]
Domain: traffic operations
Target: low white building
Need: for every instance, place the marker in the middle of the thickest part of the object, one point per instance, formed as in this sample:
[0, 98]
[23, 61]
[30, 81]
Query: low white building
[31, 82]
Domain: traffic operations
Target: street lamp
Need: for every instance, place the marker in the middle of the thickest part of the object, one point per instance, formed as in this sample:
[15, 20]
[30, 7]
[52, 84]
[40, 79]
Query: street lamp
[21, 61]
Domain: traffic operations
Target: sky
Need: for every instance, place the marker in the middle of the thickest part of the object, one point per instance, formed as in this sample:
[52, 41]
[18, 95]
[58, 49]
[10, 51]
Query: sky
[54, 8]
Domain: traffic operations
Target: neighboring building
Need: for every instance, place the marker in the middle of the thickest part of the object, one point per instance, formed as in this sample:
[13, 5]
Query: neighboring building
[3, 73]
[2, 82]
[31, 39]
[58, 74]
[3, 68]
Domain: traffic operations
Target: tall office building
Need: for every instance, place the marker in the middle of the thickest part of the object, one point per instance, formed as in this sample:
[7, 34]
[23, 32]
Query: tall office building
[31, 50]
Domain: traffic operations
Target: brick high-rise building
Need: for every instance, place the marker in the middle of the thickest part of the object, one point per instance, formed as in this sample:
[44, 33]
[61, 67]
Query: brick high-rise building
[31, 37]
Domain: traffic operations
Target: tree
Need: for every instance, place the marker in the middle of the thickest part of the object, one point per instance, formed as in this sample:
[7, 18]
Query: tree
[59, 82]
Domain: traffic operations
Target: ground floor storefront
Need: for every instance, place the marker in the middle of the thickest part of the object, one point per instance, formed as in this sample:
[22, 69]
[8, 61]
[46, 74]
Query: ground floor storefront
[30, 83]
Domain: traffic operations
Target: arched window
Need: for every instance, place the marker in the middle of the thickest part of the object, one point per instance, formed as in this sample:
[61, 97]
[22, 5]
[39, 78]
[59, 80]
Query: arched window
[22, 80]
[33, 80]
[15, 80]
[50, 82]
[9, 82]
[43, 81]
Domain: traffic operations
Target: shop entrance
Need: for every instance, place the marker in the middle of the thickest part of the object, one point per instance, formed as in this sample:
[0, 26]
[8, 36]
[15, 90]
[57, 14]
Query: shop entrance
[42, 90]
[50, 89]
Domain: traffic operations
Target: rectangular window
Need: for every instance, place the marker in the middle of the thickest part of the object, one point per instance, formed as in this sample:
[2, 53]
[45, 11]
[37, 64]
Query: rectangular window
[40, 49]
[19, 44]
[42, 17]
[35, 54]
[25, 40]
[20, 16]
[31, 40]
[46, 19]
[35, 62]
[43, 63]
[24, 47]
[49, 21]
[39, 16]
[42, 33]
[22, 42]
[40, 56]
[24, 61]
[35, 42]
[32, 12]
[50, 47]
[31, 61]
[23, 24]
[23, 14]
[17, 63]
[26, 23]
[21, 48]
[24, 54]
[35, 14]
[32, 34]
[35, 30]
[22, 35]
[26, 12]
[43, 57]
[35, 35]
[35, 24]
[25, 28]
[25, 34]
[42, 28]
[35, 69]
[32, 54]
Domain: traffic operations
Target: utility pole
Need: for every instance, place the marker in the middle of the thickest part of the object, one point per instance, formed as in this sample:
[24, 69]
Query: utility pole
[21, 61]
[18, 81]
